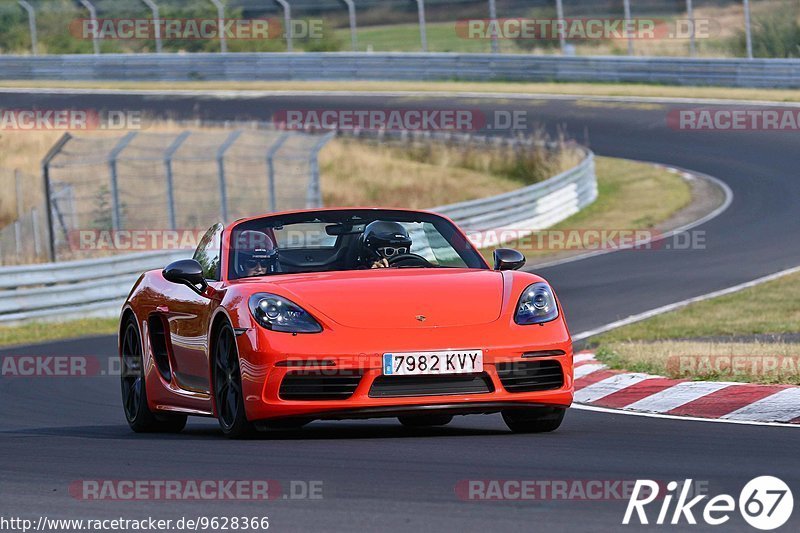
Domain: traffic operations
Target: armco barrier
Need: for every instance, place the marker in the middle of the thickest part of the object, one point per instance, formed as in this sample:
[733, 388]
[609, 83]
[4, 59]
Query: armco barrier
[74, 289]
[99, 286]
[403, 66]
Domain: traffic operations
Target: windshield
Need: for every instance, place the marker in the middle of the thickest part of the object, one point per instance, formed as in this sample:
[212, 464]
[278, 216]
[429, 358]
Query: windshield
[329, 241]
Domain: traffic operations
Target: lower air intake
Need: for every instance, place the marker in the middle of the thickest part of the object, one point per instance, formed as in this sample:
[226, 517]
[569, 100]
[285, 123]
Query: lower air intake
[318, 385]
[530, 376]
[398, 386]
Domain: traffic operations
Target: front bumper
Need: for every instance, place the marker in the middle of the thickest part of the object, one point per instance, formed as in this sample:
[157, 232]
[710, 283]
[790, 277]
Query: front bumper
[264, 354]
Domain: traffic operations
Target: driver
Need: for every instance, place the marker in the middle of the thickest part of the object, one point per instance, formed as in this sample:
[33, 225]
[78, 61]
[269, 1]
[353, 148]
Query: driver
[256, 254]
[381, 241]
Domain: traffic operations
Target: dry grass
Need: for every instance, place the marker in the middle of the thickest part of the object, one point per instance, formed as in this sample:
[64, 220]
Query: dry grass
[769, 308]
[631, 196]
[424, 175]
[357, 174]
[50, 331]
[22, 150]
[750, 362]
[489, 88]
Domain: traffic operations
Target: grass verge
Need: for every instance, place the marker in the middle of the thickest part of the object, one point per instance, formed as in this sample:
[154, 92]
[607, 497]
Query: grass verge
[491, 88]
[631, 196]
[35, 332]
[713, 330]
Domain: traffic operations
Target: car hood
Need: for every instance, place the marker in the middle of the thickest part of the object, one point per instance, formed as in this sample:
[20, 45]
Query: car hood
[399, 298]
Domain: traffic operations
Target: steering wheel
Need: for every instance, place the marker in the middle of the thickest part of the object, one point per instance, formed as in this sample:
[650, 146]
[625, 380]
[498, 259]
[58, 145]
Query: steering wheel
[409, 260]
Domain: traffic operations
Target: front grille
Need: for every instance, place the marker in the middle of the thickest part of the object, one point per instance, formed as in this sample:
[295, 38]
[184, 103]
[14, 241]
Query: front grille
[529, 376]
[398, 386]
[318, 385]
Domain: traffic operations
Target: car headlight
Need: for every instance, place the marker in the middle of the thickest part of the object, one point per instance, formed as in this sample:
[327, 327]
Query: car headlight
[536, 305]
[279, 314]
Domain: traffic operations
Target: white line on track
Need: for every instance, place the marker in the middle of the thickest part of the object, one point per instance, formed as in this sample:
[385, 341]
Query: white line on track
[672, 397]
[581, 357]
[677, 305]
[782, 406]
[603, 388]
[581, 407]
[585, 370]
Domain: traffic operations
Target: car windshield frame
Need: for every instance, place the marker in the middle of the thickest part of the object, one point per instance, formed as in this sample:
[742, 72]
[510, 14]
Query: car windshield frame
[468, 254]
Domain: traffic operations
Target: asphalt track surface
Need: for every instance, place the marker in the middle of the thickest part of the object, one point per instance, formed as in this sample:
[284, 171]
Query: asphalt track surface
[377, 475]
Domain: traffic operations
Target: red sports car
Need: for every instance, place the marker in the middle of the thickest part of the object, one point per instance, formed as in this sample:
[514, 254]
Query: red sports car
[343, 313]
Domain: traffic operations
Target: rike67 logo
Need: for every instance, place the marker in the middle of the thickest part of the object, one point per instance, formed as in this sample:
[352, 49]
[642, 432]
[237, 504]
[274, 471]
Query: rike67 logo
[765, 503]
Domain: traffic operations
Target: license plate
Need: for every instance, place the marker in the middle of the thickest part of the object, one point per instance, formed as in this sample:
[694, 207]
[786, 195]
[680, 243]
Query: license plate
[422, 363]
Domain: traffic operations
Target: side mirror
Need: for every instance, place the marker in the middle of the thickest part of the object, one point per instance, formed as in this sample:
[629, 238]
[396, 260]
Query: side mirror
[186, 272]
[508, 259]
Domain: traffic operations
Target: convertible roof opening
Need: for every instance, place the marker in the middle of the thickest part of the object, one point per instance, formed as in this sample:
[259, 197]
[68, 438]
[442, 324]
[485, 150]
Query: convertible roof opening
[347, 239]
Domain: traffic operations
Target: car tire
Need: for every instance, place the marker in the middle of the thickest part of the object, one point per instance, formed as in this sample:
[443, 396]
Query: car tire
[423, 421]
[134, 391]
[534, 419]
[227, 380]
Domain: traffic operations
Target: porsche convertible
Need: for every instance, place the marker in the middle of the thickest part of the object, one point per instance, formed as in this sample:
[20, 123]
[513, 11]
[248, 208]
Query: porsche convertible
[333, 314]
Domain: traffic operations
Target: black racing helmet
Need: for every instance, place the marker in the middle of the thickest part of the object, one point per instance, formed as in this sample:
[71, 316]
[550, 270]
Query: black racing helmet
[254, 247]
[385, 239]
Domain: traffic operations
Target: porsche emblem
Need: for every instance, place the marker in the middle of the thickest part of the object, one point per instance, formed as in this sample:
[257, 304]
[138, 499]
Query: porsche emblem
[421, 318]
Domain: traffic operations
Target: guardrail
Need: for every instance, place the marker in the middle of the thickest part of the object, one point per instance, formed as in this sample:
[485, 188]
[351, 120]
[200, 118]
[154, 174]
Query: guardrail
[97, 287]
[74, 289]
[403, 66]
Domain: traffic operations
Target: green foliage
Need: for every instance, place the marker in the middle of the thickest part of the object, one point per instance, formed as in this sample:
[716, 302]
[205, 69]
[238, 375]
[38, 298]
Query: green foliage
[775, 34]
[58, 28]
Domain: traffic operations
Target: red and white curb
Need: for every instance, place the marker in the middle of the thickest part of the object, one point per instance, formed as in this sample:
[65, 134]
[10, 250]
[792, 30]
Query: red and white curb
[597, 385]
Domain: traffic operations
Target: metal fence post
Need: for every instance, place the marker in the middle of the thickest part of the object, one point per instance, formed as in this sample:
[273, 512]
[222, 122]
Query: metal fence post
[31, 25]
[423, 35]
[51, 154]
[748, 34]
[351, 13]
[223, 188]
[223, 43]
[690, 15]
[18, 237]
[37, 246]
[273, 202]
[627, 7]
[314, 192]
[116, 209]
[93, 15]
[287, 22]
[20, 199]
[168, 155]
[562, 39]
[493, 20]
[156, 23]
